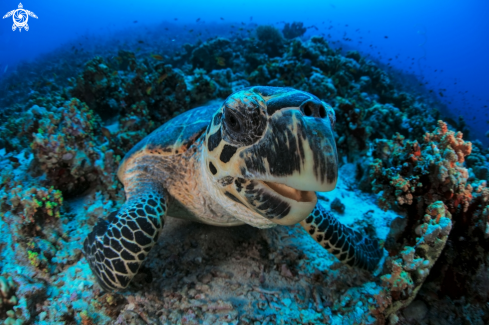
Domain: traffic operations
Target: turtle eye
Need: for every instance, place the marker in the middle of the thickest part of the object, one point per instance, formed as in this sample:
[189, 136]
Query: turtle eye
[232, 122]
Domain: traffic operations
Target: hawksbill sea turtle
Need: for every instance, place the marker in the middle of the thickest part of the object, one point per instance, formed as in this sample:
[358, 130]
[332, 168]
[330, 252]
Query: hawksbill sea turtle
[20, 17]
[257, 159]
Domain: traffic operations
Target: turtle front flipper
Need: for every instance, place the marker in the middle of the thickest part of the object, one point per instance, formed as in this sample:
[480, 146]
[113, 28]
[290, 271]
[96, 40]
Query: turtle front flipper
[116, 247]
[348, 245]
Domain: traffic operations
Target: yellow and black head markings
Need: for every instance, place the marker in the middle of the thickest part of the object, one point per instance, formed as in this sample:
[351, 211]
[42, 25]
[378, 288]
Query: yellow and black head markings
[258, 159]
[279, 142]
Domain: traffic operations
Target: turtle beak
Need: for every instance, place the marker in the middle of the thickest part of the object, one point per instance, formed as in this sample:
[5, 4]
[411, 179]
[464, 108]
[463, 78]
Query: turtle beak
[297, 151]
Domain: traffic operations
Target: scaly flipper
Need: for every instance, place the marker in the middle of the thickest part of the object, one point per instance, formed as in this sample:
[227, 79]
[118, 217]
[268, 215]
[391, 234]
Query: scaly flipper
[348, 245]
[116, 247]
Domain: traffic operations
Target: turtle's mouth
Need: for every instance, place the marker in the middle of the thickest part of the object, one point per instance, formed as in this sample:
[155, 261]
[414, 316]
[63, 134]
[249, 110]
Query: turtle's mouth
[291, 193]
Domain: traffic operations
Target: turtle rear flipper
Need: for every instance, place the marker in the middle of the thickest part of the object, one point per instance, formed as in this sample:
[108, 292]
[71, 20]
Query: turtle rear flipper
[348, 245]
[116, 247]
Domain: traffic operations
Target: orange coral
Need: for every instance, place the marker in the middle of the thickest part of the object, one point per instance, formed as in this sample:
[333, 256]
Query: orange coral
[449, 138]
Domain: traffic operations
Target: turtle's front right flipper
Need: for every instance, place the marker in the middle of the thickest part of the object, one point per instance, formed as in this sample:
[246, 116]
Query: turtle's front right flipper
[348, 245]
[116, 247]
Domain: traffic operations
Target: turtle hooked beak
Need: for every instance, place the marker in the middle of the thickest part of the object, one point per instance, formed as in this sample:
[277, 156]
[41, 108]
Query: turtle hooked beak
[296, 155]
[291, 193]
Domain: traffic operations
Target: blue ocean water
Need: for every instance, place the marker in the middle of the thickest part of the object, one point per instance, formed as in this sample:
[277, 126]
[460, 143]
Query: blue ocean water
[443, 43]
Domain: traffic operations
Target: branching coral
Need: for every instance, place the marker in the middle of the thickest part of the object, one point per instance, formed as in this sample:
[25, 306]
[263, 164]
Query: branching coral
[7, 292]
[296, 29]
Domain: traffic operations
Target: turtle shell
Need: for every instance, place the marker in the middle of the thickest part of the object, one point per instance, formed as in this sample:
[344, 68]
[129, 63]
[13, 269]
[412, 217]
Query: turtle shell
[174, 137]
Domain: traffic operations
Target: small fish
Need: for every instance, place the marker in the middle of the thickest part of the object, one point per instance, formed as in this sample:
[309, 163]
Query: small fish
[148, 90]
[175, 19]
[130, 121]
[115, 73]
[386, 36]
[221, 61]
[106, 133]
[161, 78]
[135, 22]
[198, 19]
[222, 18]
[157, 56]
[190, 31]
[166, 28]
[141, 42]
[13, 159]
[251, 18]
[5, 70]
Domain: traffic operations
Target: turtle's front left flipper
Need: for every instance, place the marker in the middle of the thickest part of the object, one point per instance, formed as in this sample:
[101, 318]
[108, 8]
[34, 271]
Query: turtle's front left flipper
[348, 245]
[116, 247]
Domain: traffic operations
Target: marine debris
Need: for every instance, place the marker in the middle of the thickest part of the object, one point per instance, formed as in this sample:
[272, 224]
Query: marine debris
[65, 129]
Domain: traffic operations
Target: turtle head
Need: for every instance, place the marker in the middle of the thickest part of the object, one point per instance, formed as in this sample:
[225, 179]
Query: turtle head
[270, 149]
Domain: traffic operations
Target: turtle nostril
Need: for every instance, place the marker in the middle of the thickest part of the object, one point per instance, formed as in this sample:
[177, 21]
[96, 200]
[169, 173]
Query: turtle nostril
[307, 109]
[313, 108]
[322, 112]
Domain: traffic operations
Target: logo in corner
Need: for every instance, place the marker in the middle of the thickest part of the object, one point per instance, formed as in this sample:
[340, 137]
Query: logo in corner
[20, 17]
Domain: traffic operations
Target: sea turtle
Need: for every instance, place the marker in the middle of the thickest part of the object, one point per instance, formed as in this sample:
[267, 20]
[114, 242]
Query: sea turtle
[20, 17]
[257, 159]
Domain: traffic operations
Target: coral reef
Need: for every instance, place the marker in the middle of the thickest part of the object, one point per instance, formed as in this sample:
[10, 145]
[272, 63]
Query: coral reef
[65, 130]
[296, 29]
[433, 174]
[408, 269]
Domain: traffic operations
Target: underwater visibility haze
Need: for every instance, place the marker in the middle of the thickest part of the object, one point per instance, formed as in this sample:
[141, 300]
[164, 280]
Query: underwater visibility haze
[244, 162]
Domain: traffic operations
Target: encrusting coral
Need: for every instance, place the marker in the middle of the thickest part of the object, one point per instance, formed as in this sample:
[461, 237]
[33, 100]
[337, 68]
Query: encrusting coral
[431, 175]
[408, 269]
[433, 170]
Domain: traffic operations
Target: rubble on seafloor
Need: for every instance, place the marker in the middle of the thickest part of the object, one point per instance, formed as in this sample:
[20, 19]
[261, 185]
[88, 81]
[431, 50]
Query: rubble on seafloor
[407, 178]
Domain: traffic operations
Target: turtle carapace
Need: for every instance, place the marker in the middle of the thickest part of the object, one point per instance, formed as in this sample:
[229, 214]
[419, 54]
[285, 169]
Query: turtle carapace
[257, 159]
